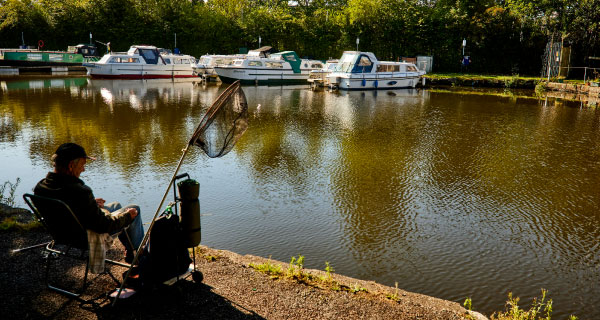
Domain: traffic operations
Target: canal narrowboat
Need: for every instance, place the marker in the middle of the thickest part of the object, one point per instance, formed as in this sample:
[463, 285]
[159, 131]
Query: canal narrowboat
[358, 70]
[278, 68]
[142, 62]
[37, 58]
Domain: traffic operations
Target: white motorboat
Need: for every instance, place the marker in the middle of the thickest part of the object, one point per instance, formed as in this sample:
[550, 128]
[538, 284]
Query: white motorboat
[206, 63]
[362, 71]
[142, 62]
[278, 68]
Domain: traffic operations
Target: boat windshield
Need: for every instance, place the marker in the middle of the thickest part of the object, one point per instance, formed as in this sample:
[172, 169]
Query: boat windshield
[150, 55]
[346, 62]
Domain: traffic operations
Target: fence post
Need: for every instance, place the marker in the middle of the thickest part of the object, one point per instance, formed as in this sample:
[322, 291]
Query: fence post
[584, 75]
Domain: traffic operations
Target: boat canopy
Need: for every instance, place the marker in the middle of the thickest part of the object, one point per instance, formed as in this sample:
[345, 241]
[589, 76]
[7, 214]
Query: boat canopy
[289, 56]
[356, 62]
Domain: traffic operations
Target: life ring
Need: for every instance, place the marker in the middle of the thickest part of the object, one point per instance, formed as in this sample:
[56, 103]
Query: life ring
[41, 43]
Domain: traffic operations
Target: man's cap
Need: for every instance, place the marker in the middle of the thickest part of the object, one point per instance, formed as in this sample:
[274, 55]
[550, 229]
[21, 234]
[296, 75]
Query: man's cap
[70, 151]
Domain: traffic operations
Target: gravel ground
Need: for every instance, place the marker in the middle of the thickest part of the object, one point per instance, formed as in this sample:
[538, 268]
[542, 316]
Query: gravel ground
[231, 289]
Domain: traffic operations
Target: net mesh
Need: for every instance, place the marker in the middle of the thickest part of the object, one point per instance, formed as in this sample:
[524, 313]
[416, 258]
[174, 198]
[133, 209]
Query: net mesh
[224, 122]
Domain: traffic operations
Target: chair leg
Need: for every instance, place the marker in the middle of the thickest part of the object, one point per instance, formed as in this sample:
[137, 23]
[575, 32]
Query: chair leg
[77, 294]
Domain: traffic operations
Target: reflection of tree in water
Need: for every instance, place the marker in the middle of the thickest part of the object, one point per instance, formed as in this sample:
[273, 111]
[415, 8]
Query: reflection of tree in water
[372, 187]
[155, 125]
[283, 142]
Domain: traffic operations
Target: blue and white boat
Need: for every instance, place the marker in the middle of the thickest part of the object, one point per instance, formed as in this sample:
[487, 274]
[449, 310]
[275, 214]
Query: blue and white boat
[358, 70]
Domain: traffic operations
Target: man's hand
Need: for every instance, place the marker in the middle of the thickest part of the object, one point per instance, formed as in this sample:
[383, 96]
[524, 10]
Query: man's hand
[132, 212]
[100, 202]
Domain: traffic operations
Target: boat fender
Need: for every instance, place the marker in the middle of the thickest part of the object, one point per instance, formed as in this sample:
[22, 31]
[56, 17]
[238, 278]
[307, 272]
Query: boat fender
[375, 83]
[364, 82]
[41, 43]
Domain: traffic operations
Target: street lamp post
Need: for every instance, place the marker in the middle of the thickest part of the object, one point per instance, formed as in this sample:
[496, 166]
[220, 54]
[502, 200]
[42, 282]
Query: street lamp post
[357, 41]
[259, 39]
[464, 44]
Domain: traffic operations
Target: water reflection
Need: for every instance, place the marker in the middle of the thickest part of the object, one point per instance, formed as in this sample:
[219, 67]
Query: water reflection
[451, 194]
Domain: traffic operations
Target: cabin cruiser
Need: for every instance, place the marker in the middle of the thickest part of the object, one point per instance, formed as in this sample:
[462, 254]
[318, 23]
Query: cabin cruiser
[206, 63]
[142, 62]
[358, 70]
[278, 68]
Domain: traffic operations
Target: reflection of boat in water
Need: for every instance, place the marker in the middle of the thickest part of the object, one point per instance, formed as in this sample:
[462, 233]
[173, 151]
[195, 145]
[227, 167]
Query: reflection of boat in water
[362, 71]
[141, 94]
[142, 62]
[57, 83]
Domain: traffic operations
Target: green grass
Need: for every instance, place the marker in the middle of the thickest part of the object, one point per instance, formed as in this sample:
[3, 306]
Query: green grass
[541, 309]
[472, 76]
[10, 223]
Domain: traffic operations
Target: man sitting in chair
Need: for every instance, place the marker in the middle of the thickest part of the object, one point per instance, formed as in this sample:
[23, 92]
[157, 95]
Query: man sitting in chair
[104, 220]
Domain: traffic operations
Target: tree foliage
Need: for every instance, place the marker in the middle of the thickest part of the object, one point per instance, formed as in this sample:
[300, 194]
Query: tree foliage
[503, 36]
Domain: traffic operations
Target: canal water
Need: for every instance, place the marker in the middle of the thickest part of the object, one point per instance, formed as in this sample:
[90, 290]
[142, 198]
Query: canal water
[447, 193]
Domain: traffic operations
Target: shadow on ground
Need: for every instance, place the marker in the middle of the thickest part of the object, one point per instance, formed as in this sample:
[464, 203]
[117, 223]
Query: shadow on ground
[25, 296]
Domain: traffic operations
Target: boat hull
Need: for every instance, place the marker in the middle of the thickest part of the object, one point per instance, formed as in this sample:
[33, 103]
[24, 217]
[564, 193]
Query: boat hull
[261, 76]
[109, 71]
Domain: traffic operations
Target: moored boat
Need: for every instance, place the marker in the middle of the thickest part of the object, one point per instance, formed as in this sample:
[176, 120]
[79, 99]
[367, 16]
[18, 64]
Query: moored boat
[37, 58]
[278, 68]
[142, 62]
[362, 71]
[206, 63]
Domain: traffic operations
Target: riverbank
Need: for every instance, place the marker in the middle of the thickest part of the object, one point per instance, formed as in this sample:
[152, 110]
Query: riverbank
[232, 288]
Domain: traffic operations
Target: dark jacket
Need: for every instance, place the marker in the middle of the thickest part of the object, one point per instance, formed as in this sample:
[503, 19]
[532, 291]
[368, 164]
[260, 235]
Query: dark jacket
[81, 200]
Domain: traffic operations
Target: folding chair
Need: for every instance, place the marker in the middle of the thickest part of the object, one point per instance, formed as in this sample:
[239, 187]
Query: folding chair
[56, 217]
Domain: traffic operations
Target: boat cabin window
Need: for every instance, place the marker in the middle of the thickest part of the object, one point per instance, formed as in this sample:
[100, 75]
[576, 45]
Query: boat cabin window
[411, 68]
[123, 60]
[167, 61]
[55, 57]
[254, 64]
[274, 65]
[317, 66]
[388, 68]
[238, 62]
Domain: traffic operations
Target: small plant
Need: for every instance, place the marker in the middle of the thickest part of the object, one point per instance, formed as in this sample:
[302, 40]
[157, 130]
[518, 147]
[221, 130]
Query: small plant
[394, 296]
[540, 88]
[511, 82]
[274, 270]
[12, 187]
[541, 309]
[211, 258]
[329, 269]
[468, 304]
[295, 270]
[356, 288]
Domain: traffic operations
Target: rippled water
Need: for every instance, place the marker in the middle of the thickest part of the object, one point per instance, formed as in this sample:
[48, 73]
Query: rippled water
[450, 194]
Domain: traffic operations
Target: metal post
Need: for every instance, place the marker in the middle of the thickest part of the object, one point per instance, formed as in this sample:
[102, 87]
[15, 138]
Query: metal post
[584, 75]
[550, 50]
[175, 39]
